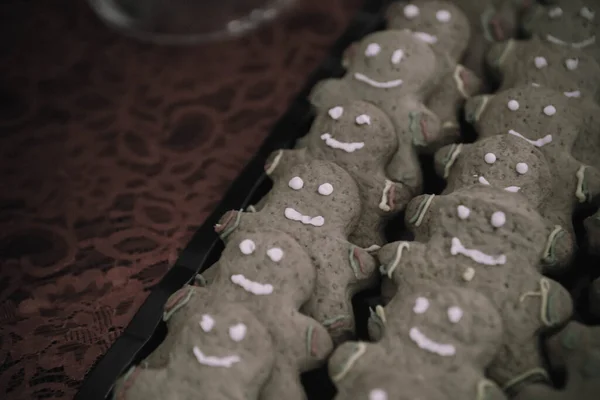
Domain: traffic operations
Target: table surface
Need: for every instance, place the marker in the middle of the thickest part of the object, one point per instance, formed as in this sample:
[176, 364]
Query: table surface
[112, 153]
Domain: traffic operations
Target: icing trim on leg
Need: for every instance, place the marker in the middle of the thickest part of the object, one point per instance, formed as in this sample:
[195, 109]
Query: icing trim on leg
[372, 248]
[544, 292]
[421, 210]
[451, 157]
[508, 48]
[581, 191]
[549, 257]
[390, 270]
[175, 302]
[200, 280]
[387, 197]
[482, 387]
[251, 209]
[533, 375]
[354, 357]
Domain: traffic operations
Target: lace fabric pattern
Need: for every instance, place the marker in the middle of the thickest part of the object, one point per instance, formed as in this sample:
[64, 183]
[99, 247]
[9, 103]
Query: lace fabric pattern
[112, 153]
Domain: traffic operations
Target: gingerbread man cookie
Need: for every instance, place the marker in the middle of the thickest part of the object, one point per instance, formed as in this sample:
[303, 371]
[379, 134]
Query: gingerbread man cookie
[575, 350]
[318, 204]
[565, 23]
[438, 340]
[442, 25]
[207, 357]
[360, 138]
[539, 63]
[489, 240]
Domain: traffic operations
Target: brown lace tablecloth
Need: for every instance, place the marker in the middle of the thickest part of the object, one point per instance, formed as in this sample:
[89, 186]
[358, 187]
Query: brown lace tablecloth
[112, 153]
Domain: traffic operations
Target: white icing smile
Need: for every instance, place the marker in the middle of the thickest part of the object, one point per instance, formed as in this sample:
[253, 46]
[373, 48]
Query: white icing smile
[212, 361]
[426, 37]
[252, 286]
[512, 189]
[430, 345]
[380, 85]
[349, 147]
[294, 215]
[537, 143]
[476, 255]
[576, 45]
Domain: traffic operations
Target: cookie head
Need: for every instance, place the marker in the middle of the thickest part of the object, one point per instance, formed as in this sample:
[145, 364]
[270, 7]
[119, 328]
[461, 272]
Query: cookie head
[438, 23]
[268, 263]
[380, 383]
[317, 195]
[391, 62]
[354, 135]
[226, 336]
[571, 23]
[536, 62]
[487, 227]
[505, 162]
[541, 116]
[447, 323]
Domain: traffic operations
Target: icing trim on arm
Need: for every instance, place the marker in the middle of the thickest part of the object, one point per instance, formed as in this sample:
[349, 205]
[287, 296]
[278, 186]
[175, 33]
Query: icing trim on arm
[361, 348]
[417, 128]
[389, 270]
[451, 157]
[548, 256]
[387, 197]
[177, 301]
[458, 79]
[269, 168]
[421, 210]
[581, 190]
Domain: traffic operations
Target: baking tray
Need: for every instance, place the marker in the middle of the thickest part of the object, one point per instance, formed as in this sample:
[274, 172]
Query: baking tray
[146, 329]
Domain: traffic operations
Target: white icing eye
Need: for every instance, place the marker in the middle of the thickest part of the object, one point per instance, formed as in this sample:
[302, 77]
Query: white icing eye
[572, 63]
[443, 15]
[421, 305]
[411, 11]
[237, 332]
[372, 50]
[336, 112]
[378, 394]
[363, 119]
[550, 110]
[463, 212]
[555, 12]
[540, 62]
[513, 105]
[207, 323]
[498, 219]
[247, 246]
[275, 254]
[397, 56]
[522, 168]
[490, 158]
[325, 189]
[296, 183]
[455, 314]
[587, 13]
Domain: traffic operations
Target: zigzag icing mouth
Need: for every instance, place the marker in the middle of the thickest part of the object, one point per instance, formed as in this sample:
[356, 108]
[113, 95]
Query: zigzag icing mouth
[476, 255]
[377, 84]
[537, 143]
[294, 215]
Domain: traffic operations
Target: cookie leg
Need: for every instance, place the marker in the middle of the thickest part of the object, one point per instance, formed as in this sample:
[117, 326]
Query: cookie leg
[284, 383]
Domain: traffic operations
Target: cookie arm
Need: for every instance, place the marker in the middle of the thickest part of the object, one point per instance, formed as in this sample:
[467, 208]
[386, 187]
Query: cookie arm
[396, 254]
[280, 161]
[559, 250]
[445, 158]
[330, 93]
